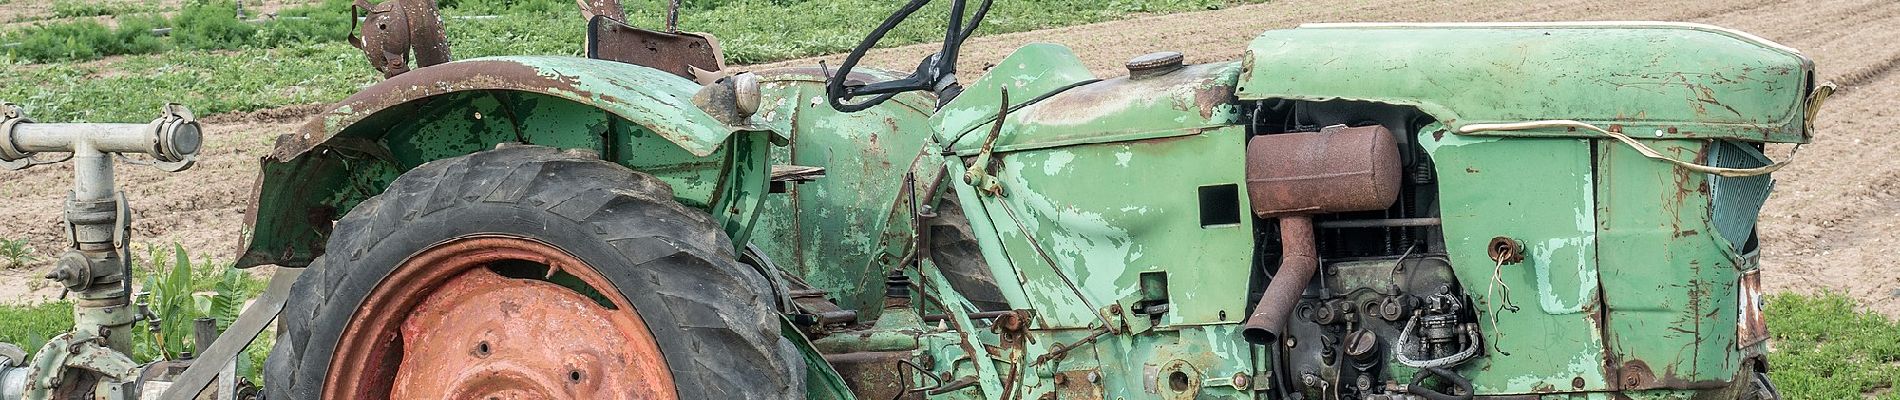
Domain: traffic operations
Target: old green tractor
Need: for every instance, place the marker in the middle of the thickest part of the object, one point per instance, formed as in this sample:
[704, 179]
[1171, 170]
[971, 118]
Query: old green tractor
[1350, 211]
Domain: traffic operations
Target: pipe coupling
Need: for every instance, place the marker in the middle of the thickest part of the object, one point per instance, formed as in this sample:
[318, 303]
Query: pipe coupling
[11, 115]
[13, 372]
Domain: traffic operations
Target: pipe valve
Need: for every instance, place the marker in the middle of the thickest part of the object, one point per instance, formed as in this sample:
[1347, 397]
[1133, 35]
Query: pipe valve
[172, 140]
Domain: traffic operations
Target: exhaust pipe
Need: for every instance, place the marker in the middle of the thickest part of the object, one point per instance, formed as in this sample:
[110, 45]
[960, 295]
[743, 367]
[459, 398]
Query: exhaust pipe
[1291, 176]
[1297, 265]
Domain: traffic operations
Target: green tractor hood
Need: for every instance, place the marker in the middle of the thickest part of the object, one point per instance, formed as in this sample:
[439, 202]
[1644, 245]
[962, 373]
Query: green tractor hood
[1679, 80]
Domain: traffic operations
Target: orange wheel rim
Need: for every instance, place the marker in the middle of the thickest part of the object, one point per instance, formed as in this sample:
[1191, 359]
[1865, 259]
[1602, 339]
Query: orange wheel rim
[446, 325]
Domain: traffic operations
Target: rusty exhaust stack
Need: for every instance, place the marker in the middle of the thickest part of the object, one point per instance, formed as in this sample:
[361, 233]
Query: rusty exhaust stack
[1292, 176]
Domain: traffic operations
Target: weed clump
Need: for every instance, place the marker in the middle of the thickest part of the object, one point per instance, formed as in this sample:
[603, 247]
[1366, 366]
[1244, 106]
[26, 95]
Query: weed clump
[86, 40]
[16, 253]
[211, 26]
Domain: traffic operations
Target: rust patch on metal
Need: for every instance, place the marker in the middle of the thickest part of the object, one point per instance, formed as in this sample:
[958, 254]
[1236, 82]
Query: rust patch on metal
[1113, 96]
[1505, 250]
[678, 53]
[1637, 375]
[1078, 385]
[1338, 169]
[1213, 97]
[394, 28]
[442, 325]
[1297, 265]
[1752, 327]
[602, 8]
[876, 375]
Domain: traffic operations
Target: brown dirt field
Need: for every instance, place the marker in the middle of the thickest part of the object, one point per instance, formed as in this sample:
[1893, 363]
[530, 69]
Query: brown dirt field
[1828, 227]
[23, 13]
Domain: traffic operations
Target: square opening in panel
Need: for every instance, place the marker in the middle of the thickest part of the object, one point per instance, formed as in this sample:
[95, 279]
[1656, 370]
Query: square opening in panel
[1220, 205]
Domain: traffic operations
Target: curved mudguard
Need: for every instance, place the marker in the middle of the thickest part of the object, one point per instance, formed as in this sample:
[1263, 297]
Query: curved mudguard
[638, 116]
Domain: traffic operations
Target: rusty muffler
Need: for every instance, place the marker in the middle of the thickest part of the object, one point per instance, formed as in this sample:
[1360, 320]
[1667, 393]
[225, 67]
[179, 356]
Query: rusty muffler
[1292, 176]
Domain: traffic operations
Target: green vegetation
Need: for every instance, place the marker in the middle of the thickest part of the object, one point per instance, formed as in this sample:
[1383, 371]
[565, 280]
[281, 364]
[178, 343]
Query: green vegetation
[31, 325]
[85, 39]
[208, 82]
[1824, 349]
[200, 25]
[16, 253]
[81, 8]
[178, 291]
[215, 64]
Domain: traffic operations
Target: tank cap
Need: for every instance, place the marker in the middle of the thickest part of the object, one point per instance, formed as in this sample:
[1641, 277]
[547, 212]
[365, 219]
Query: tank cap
[1154, 64]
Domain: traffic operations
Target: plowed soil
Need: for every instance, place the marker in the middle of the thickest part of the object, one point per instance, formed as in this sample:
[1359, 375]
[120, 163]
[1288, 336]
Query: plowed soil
[1831, 225]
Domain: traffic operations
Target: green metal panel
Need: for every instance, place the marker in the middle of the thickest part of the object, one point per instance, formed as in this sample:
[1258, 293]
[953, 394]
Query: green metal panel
[1669, 282]
[1074, 203]
[1676, 80]
[1184, 102]
[1540, 192]
[1032, 71]
[839, 232]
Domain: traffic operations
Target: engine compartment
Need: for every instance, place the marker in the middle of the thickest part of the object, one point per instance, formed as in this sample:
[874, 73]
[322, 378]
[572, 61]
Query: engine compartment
[1385, 305]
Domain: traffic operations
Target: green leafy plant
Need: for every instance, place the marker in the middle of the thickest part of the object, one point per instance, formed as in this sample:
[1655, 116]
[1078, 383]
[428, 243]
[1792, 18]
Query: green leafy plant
[168, 293]
[179, 290]
[17, 253]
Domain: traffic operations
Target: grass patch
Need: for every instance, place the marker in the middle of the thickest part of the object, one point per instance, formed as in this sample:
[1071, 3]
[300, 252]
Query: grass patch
[82, 8]
[85, 40]
[200, 25]
[31, 325]
[215, 64]
[1824, 349]
[210, 82]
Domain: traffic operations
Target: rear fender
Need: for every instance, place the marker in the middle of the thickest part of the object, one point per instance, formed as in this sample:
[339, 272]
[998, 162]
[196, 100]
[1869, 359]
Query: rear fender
[637, 116]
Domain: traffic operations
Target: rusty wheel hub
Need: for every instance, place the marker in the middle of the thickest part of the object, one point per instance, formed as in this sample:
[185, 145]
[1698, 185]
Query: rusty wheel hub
[445, 325]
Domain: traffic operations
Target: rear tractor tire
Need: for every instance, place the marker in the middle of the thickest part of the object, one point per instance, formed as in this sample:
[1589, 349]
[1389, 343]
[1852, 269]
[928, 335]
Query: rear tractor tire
[533, 273]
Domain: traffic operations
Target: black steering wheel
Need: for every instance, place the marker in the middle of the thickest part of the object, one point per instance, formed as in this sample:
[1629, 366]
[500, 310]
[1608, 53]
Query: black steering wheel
[937, 73]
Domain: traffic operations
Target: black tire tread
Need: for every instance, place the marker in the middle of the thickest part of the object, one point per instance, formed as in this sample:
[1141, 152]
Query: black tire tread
[728, 342]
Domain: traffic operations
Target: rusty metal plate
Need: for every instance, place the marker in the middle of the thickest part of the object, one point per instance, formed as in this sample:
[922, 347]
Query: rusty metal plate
[483, 335]
[1752, 327]
[396, 27]
[677, 53]
[1079, 385]
[876, 374]
[1338, 169]
[443, 325]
